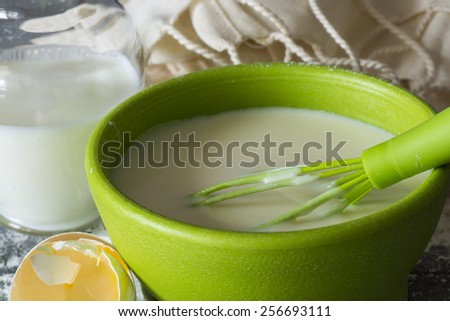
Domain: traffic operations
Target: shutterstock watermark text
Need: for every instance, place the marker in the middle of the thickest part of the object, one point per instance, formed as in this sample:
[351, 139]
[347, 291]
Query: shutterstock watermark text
[187, 151]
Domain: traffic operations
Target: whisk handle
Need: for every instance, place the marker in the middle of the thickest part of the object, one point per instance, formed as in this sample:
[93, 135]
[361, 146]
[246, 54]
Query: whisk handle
[417, 150]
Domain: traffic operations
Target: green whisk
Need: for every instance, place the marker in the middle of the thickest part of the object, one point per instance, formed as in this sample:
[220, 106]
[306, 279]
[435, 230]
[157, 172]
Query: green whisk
[417, 150]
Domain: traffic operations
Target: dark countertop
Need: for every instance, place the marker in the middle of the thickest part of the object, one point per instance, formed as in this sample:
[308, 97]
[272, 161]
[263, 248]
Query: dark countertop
[430, 279]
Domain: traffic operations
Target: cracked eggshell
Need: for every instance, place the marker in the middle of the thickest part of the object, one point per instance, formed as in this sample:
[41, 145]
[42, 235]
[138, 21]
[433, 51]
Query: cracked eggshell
[73, 266]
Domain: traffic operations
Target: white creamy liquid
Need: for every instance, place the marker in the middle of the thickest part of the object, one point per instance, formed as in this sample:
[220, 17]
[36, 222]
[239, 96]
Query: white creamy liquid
[167, 190]
[50, 101]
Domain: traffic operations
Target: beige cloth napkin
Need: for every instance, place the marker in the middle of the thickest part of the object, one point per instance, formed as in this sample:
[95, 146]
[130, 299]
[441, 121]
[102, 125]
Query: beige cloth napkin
[406, 41]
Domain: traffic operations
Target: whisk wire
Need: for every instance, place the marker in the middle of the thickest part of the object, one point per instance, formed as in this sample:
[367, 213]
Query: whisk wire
[273, 175]
[298, 180]
[326, 169]
[295, 176]
[315, 202]
[326, 165]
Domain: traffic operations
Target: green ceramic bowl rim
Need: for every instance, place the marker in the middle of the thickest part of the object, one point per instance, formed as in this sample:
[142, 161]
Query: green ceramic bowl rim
[255, 240]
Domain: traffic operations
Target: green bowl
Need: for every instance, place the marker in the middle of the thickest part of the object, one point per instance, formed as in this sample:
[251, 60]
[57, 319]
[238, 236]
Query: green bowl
[364, 259]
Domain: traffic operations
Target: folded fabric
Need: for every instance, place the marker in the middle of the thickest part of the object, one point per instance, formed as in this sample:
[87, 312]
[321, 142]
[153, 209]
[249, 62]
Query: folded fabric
[405, 41]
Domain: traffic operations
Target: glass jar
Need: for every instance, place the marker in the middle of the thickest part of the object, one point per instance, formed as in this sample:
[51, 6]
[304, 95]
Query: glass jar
[63, 65]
